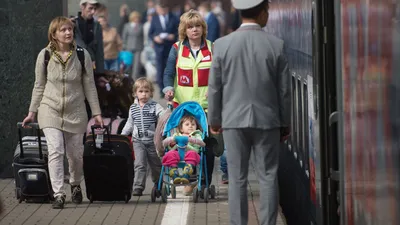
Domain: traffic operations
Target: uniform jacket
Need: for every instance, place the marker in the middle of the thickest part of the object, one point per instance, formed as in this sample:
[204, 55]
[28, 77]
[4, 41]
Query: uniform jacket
[249, 82]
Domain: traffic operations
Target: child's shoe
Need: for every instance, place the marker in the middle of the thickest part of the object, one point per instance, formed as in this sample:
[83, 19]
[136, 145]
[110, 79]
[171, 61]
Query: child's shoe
[185, 179]
[187, 171]
[173, 173]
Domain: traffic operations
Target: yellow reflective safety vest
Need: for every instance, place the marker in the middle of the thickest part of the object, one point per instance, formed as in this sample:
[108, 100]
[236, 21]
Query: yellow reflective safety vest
[191, 83]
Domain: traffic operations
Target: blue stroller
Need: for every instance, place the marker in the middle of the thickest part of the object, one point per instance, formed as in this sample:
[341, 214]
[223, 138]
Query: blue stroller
[165, 187]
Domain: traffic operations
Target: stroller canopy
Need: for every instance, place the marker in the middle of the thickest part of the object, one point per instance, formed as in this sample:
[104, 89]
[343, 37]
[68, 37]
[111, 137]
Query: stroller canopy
[191, 108]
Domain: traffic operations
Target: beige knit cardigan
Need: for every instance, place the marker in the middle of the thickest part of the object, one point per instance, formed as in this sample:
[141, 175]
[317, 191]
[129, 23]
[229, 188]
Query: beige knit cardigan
[59, 97]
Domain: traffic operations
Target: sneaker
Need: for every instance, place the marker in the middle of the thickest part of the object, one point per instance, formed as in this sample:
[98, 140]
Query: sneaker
[224, 178]
[137, 192]
[174, 174]
[76, 194]
[59, 202]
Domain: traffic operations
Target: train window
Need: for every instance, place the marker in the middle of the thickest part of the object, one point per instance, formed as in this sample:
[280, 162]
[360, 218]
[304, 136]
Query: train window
[296, 112]
[300, 118]
[306, 124]
[293, 119]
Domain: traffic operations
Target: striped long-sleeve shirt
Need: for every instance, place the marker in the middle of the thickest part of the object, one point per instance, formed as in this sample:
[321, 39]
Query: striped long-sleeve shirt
[142, 121]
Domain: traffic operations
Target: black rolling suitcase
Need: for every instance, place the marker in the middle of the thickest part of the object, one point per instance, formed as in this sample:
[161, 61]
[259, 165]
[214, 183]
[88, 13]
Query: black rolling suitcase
[31, 173]
[108, 167]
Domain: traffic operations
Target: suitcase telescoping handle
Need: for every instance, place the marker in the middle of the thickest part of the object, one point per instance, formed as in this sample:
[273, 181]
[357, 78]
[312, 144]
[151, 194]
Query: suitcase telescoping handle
[29, 126]
[103, 147]
[106, 130]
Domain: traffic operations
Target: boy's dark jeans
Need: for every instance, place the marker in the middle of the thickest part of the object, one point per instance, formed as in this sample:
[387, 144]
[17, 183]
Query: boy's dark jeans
[223, 163]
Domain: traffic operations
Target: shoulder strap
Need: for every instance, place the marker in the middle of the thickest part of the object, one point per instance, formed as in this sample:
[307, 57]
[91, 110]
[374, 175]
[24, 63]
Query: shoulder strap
[81, 57]
[46, 59]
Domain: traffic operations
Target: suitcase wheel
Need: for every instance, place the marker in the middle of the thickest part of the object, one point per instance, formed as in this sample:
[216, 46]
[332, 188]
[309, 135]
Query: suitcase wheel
[91, 198]
[21, 199]
[126, 198]
[17, 193]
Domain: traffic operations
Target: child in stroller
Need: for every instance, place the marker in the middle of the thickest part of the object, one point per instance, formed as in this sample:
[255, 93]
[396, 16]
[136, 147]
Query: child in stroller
[188, 126]
[185, 149]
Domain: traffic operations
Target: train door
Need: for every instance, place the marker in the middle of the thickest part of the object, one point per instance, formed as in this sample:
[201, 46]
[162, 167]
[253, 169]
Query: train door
[327, 101]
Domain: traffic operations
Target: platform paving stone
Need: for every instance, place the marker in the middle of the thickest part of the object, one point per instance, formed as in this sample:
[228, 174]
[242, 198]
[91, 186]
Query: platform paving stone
[139, 210]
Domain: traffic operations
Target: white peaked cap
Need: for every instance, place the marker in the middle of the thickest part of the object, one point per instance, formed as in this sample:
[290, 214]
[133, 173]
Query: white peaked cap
[246, 4]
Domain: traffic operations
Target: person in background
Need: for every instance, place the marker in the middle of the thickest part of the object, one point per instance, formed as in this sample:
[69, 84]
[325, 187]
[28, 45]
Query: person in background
[235, 20]
[132, 37]
[101, 10]
[213, 28]
[177, 11]
[216, 8]
[150, 9]
[112, 44]
[148, 56]
[164, 32]
[146, 29]
[189, 4]
[123, 18]
[89, 35]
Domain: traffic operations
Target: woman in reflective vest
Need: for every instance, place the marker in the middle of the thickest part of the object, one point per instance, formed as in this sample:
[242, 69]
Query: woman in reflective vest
[188, 66]
[189, 62]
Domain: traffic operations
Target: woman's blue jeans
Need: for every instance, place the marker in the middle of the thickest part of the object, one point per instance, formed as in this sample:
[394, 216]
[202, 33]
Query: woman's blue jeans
[111, 64]
[223, 163]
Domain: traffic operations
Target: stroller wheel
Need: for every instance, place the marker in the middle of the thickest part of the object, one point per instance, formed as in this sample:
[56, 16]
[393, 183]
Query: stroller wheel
[212, 192]
[206, 193]
[127, 198]
[153, 194]
[201, 192]
[173, 192]
[164, 194]
[195, 195]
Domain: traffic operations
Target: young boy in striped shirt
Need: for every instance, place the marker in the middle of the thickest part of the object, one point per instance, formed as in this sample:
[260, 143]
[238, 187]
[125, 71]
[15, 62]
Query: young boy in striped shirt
[143, 116]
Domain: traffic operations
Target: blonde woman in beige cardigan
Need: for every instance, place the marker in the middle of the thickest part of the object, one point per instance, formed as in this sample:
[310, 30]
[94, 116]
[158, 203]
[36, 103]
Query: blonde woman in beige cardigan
[58, 99]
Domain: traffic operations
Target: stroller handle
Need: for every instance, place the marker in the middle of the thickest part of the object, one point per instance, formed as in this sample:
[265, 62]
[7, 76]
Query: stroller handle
[182, 141]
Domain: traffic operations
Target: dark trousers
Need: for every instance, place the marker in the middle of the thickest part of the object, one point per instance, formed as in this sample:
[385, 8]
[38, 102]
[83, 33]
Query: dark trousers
[210, 160]
[161, 64]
